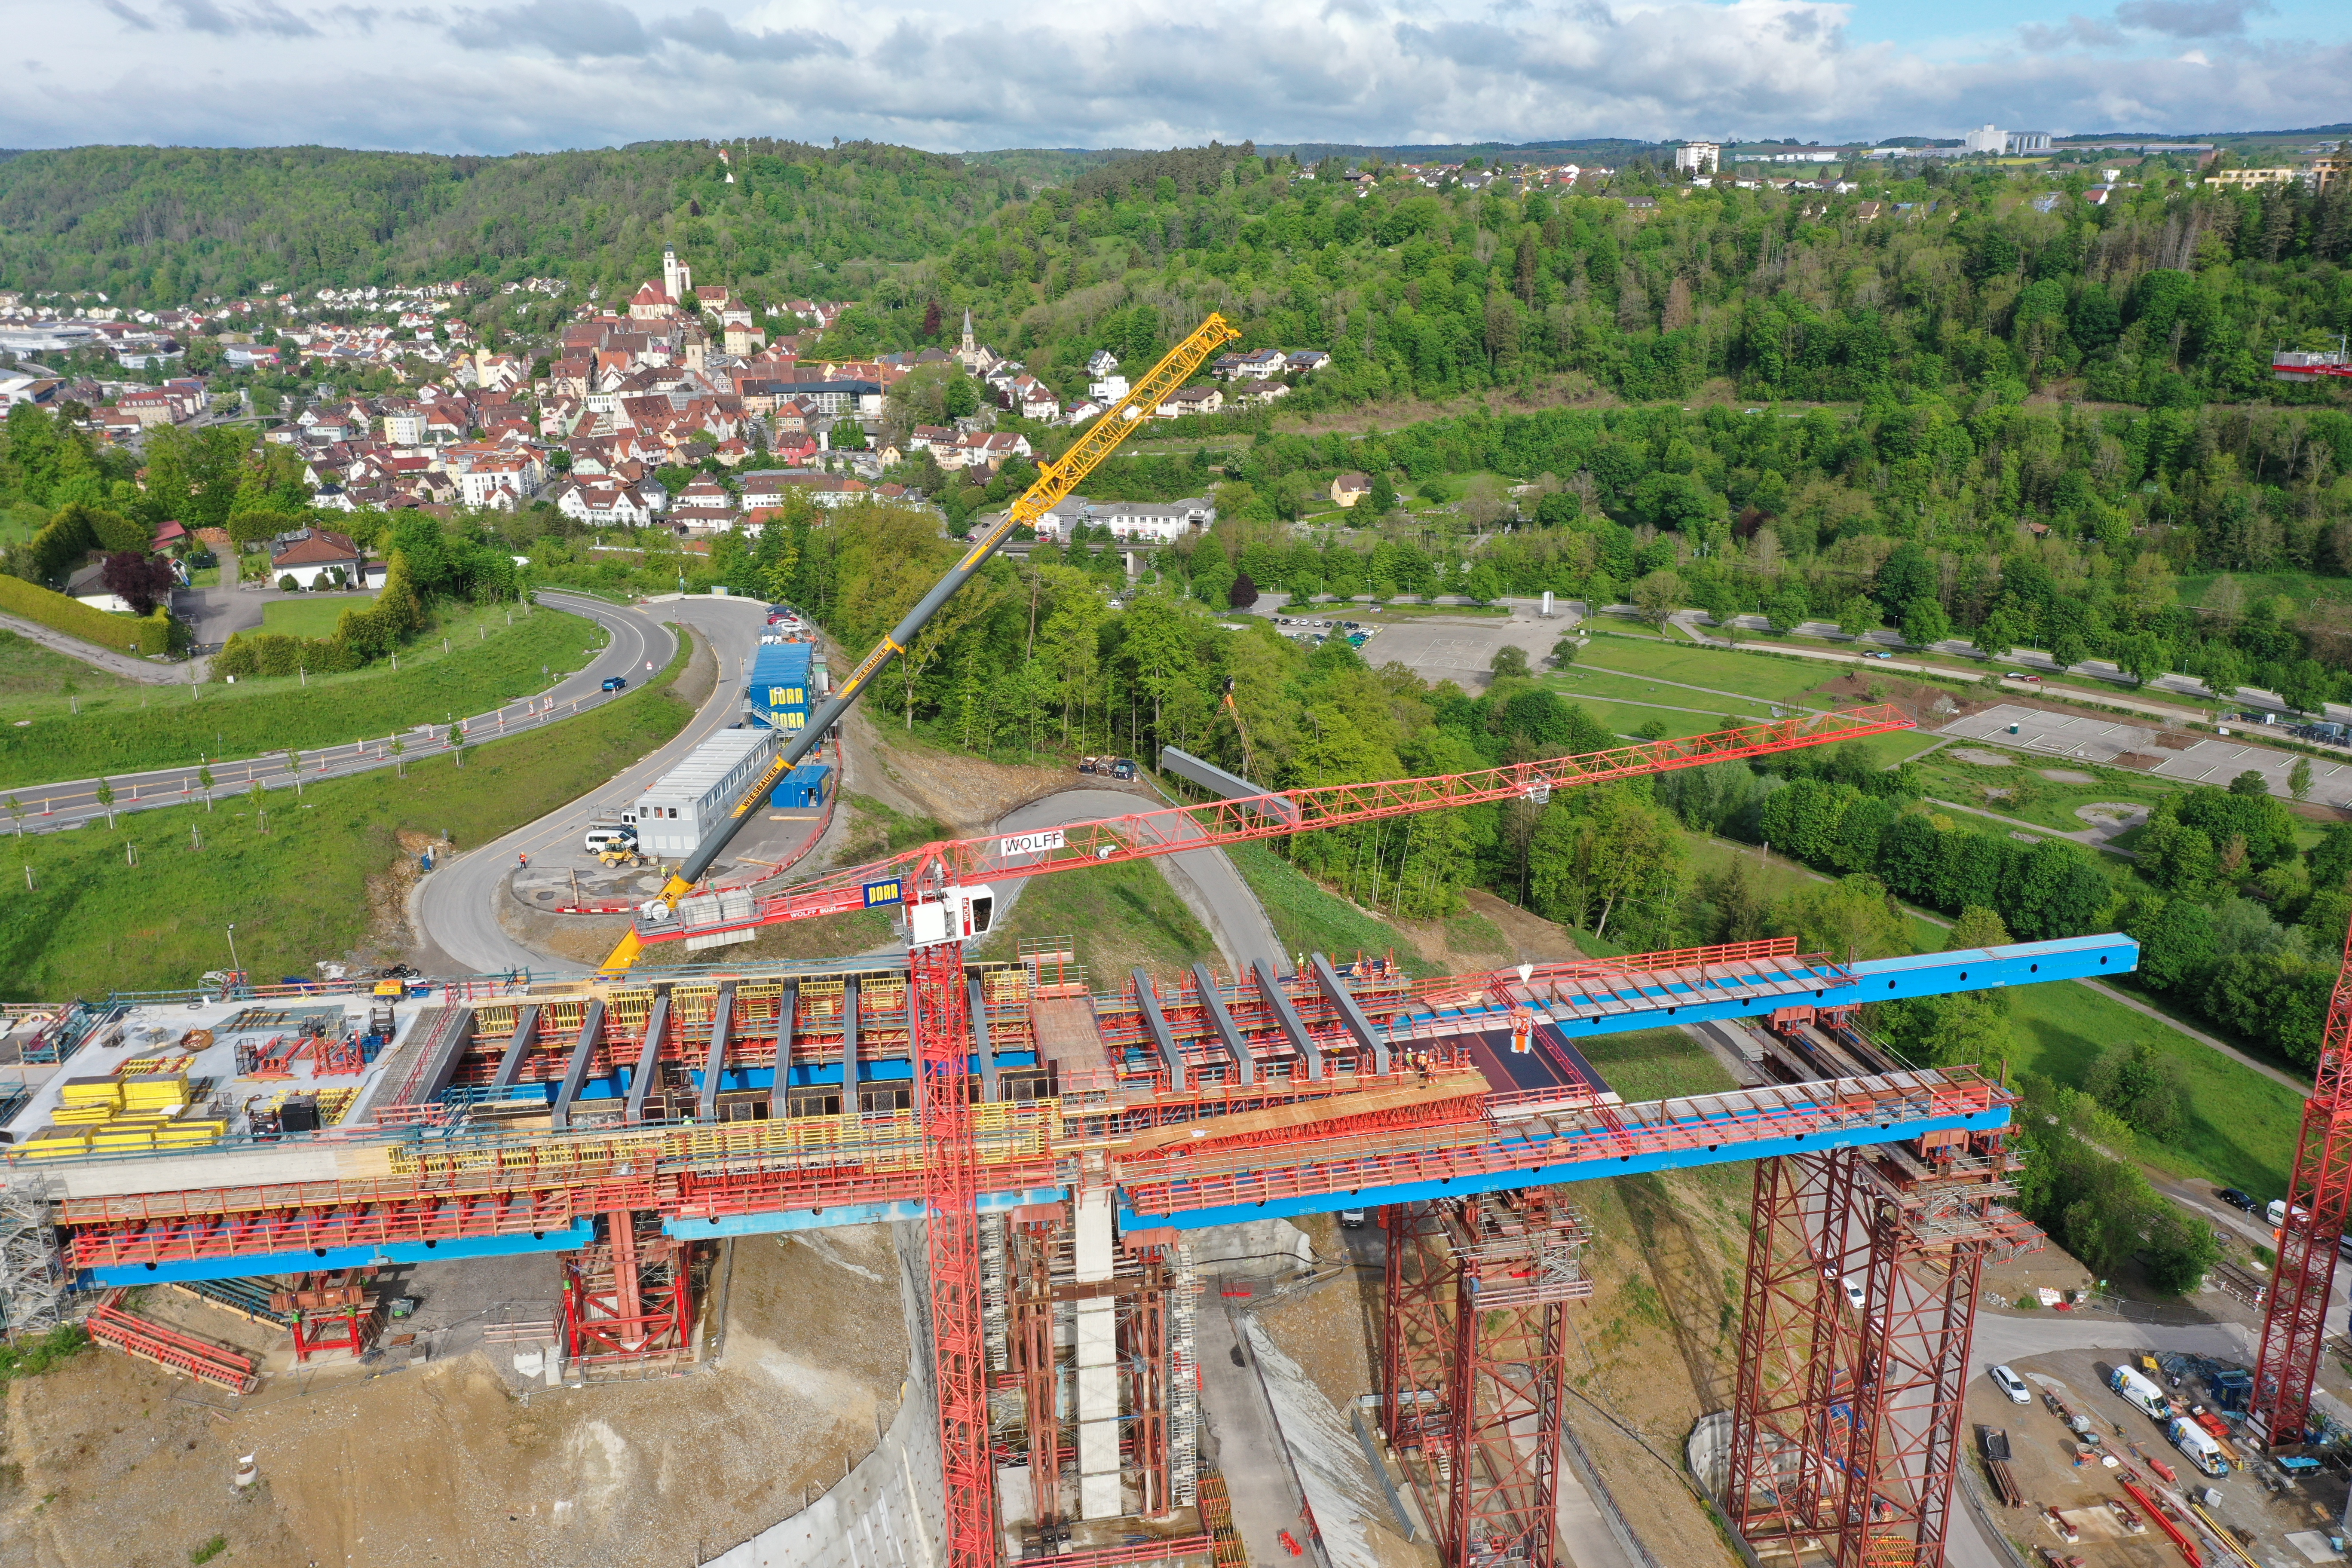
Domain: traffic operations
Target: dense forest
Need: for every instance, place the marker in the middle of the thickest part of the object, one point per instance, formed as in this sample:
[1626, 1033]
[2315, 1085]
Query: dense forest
[169, 226]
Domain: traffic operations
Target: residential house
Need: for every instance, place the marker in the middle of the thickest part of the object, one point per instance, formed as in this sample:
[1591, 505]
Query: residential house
[602, 501]
[1258, 365]
[313, 556]
[1191, 400]
[1349, 488]
[1128, 522]
[1308, 360]
[704, 496]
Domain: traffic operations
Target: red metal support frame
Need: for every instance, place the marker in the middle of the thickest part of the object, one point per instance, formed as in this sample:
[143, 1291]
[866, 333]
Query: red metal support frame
[1863, 1273]
[2318, 1201]
[1476, 1369]
[951, 1169]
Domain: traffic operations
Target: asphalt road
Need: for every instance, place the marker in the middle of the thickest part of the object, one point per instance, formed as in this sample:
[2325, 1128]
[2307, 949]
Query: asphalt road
[457, 903]
[1204, 878]
[637, 643]
[1888, 647]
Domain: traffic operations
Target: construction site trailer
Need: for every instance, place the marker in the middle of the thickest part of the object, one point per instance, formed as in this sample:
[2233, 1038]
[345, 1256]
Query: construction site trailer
[780, 690]
[680, 806]
[804, 788]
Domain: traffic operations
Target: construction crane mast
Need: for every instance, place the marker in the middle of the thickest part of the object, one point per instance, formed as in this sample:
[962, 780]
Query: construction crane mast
[1059, 477]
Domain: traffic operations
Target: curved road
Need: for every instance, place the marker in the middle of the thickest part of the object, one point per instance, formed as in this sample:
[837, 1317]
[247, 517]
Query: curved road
[457, 904]
[1204, 878]
[637, 644]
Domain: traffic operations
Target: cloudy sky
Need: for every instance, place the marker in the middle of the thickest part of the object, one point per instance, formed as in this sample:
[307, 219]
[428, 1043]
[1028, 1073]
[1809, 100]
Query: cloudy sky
[544, 74]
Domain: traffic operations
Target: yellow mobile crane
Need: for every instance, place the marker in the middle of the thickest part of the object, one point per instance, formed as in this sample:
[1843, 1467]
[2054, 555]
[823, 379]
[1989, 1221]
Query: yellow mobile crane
[1058, 479]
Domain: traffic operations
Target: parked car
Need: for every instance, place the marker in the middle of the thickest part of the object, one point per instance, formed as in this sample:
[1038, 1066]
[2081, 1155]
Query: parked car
[1353, 1219]
[2009, 1383]
[2236, 1199]
[616, 683]
[2021, 674]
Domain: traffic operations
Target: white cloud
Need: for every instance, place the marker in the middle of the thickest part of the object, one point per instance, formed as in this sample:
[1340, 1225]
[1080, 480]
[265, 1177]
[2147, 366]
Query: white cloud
[537, 74]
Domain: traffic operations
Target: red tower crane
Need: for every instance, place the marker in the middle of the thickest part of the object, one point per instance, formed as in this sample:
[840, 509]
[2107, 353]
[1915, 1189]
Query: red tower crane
[2318, 1200]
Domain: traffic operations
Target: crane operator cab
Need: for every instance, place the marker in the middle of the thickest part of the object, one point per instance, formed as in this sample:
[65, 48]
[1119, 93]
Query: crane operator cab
[953, 914]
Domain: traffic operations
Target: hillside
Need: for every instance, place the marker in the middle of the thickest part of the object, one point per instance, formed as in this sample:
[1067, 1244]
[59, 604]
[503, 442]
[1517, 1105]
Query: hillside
[165, 226]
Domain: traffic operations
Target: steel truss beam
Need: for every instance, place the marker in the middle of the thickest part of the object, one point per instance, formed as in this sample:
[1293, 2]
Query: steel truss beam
[1845, 1417]
[1476, 1368]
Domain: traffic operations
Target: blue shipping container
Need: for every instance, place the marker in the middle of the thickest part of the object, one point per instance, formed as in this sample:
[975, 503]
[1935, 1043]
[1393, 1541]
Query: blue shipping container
[804, 788]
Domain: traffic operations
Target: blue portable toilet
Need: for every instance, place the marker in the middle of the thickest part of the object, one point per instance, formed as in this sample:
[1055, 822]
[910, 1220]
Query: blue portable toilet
[804, 788]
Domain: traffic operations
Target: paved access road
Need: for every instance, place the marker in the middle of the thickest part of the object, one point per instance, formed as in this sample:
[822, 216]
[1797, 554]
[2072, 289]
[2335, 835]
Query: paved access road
[638, 646]
[457, 906]
[1204, 878]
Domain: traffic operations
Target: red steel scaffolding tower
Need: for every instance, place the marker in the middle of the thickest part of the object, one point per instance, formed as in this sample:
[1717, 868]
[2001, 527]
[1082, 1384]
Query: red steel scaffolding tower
[951, 1182]
[2295, 1319]
[1476, 1367]
[1863, 1271]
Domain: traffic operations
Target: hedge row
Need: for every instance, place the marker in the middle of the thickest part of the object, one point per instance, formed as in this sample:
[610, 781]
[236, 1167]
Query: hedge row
[149, 633]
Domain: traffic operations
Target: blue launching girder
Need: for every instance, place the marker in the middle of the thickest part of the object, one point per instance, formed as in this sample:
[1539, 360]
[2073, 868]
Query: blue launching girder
[1636, 1000]
[578, 1234]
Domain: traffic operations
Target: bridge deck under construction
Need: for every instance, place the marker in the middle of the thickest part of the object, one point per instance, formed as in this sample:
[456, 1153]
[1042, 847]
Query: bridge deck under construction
[502, 1117]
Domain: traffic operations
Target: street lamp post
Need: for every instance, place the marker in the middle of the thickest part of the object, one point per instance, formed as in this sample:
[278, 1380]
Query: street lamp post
[234, 962]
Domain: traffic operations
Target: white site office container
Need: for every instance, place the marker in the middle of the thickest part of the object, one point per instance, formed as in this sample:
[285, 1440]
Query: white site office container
[678, 808]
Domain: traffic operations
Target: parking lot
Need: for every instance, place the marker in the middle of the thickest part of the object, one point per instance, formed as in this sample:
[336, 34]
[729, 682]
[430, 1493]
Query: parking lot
[1459, 648]
[2175, 754]
[2282, 1518]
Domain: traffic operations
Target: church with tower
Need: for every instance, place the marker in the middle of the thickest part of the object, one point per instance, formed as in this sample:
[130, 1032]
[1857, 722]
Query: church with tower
[671, 298]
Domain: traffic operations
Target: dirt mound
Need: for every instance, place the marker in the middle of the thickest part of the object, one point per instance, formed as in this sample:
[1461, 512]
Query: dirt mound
[2174, 740]
[2135, 760]
[1922, 700]
[110, 1462]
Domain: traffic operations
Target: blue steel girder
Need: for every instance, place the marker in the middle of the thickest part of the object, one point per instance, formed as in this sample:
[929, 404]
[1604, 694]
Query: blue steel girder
[580, 1234]
[1605, 1141]
[1871, 980]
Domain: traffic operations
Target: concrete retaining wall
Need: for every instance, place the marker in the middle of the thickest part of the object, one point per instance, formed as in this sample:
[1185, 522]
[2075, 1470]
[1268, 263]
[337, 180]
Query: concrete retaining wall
[888, 1511]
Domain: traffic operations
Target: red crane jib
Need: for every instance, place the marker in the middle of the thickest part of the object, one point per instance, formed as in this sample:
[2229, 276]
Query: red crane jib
[1002, 856]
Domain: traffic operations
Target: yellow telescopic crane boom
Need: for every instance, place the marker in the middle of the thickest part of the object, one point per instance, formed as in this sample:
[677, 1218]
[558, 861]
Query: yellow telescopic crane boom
[1058, 479]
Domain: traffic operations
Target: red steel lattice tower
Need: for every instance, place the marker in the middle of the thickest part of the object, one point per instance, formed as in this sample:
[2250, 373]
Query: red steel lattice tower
[1478, 1367]
[951, 1190]
[2295, 1319]
[1863, 1271]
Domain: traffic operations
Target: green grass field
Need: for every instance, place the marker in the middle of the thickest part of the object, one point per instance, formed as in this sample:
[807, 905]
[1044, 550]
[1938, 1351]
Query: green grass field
[1655, 1064]
[30, 669]
[129, 727]
[1120, 916]
[2032, 797]
[1590, 686]
[91, 924]
[1756, 676]
[2240, 1126]
[1310, 920]
[2304, 587]
[308, 617]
